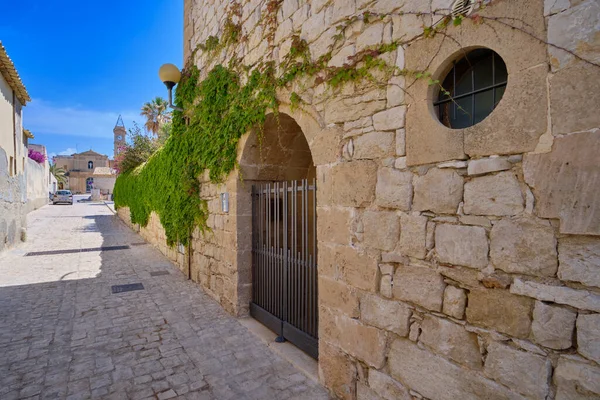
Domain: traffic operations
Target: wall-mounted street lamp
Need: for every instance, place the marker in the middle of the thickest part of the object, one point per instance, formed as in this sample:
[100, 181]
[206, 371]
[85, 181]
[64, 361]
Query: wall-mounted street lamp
[170, 75]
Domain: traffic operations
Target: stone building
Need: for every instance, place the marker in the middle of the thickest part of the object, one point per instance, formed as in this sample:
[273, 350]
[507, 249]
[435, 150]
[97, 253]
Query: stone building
[80, 169]
[457, 230]
[13, 153]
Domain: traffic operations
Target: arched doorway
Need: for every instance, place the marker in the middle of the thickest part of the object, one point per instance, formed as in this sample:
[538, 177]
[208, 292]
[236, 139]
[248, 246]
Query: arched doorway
[89, 184]
[277, 166]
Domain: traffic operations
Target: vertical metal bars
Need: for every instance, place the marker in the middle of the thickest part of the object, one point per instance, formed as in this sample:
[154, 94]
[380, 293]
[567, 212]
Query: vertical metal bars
[494, 80]
[473, 97]
[284, 255]
[313, 305]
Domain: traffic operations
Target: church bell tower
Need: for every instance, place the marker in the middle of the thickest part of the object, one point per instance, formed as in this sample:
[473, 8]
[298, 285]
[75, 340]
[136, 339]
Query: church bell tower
[119, 136]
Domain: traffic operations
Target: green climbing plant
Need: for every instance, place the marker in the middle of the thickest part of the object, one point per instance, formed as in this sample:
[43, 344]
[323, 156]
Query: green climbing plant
[219, 110]
[229, 102]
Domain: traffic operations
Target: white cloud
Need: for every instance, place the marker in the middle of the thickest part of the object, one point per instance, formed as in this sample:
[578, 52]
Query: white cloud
[67, 152]
[41, 116]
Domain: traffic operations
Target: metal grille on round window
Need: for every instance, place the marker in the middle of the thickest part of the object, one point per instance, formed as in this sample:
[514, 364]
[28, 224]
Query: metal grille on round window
[472, 89]
[462, 8]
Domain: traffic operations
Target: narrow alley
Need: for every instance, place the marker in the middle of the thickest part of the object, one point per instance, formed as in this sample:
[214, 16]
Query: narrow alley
[64, 334]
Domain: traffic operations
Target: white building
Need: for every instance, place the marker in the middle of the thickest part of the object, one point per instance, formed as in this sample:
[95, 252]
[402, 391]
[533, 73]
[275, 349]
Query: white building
[13, 153]
[40, 182]
[104, 181]
[24, 183]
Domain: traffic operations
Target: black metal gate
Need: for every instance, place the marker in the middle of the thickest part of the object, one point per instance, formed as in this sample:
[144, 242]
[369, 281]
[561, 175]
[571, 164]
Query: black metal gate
[284, 263]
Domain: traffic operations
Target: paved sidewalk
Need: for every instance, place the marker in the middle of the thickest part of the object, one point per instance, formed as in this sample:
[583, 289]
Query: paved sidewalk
[63, 334]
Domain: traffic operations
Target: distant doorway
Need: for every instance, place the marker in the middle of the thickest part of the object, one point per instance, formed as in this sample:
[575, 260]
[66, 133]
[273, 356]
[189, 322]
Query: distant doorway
[89, 185]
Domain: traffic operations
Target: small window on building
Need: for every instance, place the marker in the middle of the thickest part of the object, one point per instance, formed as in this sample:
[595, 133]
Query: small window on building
[12, 165]
[472, 89]
[90, 165]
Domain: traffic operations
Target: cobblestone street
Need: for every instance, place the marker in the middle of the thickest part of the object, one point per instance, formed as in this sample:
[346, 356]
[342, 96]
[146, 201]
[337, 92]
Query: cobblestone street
[63, 334]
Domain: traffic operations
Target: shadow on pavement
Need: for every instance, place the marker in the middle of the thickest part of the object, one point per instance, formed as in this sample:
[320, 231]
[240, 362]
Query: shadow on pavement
[69, 335]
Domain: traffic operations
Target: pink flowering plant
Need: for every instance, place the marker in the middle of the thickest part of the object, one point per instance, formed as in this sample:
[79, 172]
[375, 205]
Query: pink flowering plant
[121, 152]
[36, 156]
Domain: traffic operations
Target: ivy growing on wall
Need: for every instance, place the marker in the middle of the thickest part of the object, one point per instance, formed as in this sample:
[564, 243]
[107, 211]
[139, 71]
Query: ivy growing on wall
[218, 111]
[221, 108]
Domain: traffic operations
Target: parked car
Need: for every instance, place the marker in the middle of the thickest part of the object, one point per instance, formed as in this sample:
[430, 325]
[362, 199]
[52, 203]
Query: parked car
[62, 196]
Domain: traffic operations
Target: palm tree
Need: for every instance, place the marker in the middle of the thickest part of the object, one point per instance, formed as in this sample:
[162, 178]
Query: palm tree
[59, 173]
[156, 114]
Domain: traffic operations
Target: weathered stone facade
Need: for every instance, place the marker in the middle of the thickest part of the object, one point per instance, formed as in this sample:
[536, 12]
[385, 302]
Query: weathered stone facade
[13, 201]
[13, 154]
[80, 169]
[453, 263]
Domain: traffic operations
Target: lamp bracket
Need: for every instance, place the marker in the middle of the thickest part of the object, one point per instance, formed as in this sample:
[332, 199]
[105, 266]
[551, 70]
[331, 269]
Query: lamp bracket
[170, 86]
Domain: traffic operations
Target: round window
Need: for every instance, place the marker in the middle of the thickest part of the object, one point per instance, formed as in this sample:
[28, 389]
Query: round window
[472, 89]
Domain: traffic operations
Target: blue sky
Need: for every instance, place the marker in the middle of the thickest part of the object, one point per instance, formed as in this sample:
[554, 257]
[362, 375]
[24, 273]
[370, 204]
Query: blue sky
[85, 62]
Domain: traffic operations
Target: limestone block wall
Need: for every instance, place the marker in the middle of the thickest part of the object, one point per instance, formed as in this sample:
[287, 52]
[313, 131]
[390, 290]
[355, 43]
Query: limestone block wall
[154, 233]
[215, 252]
[453, 263]
[37, 184]
[213, 262]
[13, 192]
[13, 183]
